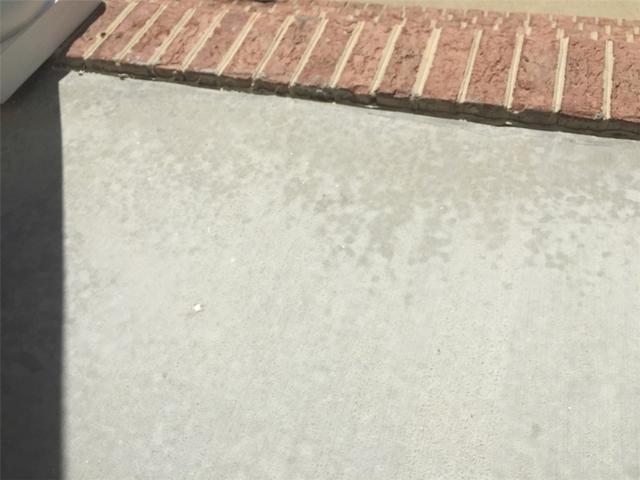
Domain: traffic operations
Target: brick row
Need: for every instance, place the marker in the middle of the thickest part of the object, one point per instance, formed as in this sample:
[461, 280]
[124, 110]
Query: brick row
[539, 67]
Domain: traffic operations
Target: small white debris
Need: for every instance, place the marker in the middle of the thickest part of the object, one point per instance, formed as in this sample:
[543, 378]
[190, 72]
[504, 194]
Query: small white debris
[197, 307]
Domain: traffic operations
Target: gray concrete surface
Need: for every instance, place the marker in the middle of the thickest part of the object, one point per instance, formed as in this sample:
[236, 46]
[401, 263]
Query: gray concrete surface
[259, 287]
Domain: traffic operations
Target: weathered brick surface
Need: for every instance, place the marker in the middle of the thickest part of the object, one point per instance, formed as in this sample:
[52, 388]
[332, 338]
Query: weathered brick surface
[535, 82]
[392, 15]
[279, 70]
[625, 102]
[361, 68]
[109, 50]
[206, 62]
[471, 63]
[254, 47]
[144, 49]
[106, 14]
[324, 58]
[402, 70]
[583, 92]
[449, 65]
[170, 63]
[491, 68]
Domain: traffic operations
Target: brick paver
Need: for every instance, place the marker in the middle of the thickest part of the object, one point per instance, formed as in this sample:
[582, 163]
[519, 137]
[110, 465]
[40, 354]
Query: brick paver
[550, 69]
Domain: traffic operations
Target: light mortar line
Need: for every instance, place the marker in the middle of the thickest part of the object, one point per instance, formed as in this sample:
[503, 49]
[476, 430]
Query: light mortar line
[471, 60]
[561, 70]
[513, 71]
[607, 80]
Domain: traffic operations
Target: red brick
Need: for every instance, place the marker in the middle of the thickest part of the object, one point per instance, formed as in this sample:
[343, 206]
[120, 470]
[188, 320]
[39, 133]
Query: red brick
[535, 81]
[414, 13]
[402, 70]
[283, 8]
[334, 11]
[279, 70]
[324, 58]
[105, 55]
[435, 15]
[170, 63]
[206, 62]
[307, 8]
[373, 10]
[455, 16]
[105, 16]
[361, 67]
[361, 12]
[449, 64]
[491, 68]
[565, 22]
[513, 21]
[264, 7]
[540, 22]
[613, 32]
[241, 69]
[625, 98]
[144, 49]
[392, 15]
[583, 88]
[487, 20]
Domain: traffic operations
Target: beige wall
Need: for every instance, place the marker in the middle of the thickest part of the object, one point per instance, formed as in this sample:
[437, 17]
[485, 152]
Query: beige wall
[600, 8]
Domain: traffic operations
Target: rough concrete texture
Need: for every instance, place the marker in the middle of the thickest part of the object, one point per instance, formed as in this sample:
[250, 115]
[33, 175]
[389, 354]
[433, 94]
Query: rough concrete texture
[258, 287]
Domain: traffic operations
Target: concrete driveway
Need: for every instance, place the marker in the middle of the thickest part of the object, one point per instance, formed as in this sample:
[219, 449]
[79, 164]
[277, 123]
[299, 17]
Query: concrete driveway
[208, 284]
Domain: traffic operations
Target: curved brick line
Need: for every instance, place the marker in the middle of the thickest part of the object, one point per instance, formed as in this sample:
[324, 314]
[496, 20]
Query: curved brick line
[563, 71]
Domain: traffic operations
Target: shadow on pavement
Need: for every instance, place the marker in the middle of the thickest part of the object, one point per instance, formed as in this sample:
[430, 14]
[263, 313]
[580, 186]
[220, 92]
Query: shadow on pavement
[32, 280]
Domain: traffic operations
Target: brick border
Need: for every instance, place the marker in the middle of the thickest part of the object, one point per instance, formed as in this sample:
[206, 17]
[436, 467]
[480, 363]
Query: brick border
[561, 72]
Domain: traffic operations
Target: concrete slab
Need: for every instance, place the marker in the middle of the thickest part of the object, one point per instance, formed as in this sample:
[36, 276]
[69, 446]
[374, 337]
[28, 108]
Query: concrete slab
[244, 286]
